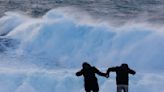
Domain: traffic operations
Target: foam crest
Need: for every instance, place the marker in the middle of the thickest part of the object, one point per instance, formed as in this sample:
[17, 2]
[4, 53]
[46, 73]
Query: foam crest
[61, 40]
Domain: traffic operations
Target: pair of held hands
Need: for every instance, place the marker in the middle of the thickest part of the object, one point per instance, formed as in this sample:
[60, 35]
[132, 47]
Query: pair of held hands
[106, 75]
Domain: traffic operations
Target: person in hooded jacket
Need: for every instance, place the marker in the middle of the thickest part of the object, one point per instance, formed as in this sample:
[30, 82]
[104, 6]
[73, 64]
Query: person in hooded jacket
[90, 80]
[122, 76]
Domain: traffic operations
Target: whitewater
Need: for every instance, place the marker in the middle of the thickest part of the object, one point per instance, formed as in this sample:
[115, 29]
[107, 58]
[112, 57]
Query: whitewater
[42, 54]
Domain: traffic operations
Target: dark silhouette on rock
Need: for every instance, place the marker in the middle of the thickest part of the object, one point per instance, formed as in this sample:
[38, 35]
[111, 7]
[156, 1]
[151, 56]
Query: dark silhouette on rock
[122, 76]
[90, 80]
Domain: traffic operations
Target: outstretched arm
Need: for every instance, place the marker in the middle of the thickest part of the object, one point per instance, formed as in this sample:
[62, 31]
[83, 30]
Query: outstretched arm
[131, 71]
[98, 72]
[112, 69]
[79, 73]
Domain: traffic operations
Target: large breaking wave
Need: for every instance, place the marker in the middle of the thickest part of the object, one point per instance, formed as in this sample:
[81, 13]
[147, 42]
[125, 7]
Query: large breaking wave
[42, 54]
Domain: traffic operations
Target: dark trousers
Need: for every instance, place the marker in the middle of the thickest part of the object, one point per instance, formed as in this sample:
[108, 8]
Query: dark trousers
[91, 85]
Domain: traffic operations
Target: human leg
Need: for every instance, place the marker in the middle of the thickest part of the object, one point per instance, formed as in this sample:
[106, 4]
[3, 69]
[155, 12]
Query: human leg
[119, 88]
[126, 88]
[95, 91]
[88, 90]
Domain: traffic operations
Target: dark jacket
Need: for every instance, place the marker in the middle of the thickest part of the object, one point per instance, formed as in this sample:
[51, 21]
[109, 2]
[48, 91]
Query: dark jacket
[90, 80]
[122, 74]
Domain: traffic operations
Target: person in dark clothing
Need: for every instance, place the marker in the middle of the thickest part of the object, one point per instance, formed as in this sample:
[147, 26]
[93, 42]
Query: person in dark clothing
[90, 80]
[122, 76]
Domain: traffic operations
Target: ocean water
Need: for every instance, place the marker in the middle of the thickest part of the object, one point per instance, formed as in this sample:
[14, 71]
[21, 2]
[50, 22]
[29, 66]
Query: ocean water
[42, 54]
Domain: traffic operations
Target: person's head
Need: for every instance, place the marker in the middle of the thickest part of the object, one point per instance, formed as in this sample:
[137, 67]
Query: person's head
[86, 65]
[124, 65]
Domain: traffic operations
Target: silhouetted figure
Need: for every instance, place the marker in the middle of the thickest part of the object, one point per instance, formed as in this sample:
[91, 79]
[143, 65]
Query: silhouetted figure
[90, 80]
[122, 76]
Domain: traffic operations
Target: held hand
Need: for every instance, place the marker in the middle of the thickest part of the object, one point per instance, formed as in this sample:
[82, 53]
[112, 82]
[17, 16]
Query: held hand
[107, 75]
[76, 74]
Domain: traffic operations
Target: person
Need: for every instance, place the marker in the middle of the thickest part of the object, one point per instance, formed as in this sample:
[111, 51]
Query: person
[122, 76]
[90, 80]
